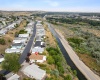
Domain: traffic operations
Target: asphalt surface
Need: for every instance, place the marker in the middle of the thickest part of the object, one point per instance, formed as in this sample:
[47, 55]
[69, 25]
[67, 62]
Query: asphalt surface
[28, 46]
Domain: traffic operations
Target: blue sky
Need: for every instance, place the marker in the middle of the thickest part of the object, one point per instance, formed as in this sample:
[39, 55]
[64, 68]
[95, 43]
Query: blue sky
[52, 5]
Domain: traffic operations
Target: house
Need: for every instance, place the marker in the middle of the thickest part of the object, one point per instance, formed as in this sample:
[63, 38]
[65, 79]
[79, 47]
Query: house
[37, 58]
[37, 49]
[3, 31]
[12, 26]
[40, 32]
[1, 58]
[33, 71]
[12, 76]
[29, 30]
[23, 35]
[20, 40]
[30, 24]
[38, 25]
[17, 46]
[9, 50]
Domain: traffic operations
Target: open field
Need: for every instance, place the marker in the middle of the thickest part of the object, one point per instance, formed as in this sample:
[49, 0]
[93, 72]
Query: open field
[10, 36]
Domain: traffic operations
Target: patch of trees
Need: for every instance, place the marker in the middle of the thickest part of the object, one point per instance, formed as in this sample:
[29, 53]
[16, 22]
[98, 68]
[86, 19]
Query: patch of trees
[55, 58]
[22, 31]
[89, 44]
[2, 41]
[74, 21]
[11, 62]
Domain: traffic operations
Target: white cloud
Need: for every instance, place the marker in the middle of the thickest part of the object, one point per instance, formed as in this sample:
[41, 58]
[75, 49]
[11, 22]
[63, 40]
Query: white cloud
[52, 3]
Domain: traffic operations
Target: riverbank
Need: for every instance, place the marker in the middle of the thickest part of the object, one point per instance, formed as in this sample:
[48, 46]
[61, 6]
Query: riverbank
[83, 68]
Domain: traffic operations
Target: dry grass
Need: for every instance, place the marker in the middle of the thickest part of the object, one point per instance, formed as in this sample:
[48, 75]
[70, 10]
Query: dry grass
[93, 31]
[50, 40]
[90, 62]
[10, 36]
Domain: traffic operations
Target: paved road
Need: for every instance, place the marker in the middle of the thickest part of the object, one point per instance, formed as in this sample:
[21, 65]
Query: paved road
[80, 65]
[28, 47]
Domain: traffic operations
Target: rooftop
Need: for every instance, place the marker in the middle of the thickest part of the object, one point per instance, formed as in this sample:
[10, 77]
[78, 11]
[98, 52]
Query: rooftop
[36, 57]
[35, 71]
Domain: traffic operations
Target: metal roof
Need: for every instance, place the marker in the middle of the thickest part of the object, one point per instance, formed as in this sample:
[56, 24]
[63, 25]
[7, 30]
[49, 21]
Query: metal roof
[34, 71]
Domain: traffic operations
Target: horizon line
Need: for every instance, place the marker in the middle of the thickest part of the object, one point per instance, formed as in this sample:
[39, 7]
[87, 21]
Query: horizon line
[53, 11]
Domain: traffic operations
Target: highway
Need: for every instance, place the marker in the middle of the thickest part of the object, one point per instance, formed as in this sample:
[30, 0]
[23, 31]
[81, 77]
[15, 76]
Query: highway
[28, 46]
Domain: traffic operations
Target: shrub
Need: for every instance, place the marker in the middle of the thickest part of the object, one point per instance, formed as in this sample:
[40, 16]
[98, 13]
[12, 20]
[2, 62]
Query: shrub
[2, 41]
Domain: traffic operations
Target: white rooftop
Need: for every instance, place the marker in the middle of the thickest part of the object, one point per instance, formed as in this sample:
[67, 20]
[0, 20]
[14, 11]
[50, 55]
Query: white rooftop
[37, 49]
[34, 71]
[14, 77]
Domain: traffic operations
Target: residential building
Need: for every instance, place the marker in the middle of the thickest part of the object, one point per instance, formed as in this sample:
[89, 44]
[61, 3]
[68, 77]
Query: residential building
[33, 71]
[23, 35]
[37, 49]
[20, 40]
[17, 46]
[12, 76]
[37, 58]
[9, 50]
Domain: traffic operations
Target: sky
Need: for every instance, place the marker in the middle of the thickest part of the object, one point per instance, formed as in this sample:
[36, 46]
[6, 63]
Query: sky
[51, 5]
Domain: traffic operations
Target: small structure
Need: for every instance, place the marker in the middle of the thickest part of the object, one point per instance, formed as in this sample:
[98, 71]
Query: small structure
[12, 76]
[23, 35]
[17, 46]
[1, 58]
[33, 71]
[40, 31]
[37, 49]
[20, 40]
[12, 26]
[9, 50]
[37, 58]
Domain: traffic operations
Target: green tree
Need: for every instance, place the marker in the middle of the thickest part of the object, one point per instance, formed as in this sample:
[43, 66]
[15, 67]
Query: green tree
[2, 41]
[68, 77]
[50, 60]
[75, 72]
[11, 62]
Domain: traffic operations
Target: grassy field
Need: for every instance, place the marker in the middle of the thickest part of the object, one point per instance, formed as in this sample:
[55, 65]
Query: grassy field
[10, 36]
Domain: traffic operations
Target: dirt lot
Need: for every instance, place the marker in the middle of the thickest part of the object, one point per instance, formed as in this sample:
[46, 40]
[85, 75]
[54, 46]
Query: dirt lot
[10, 36]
